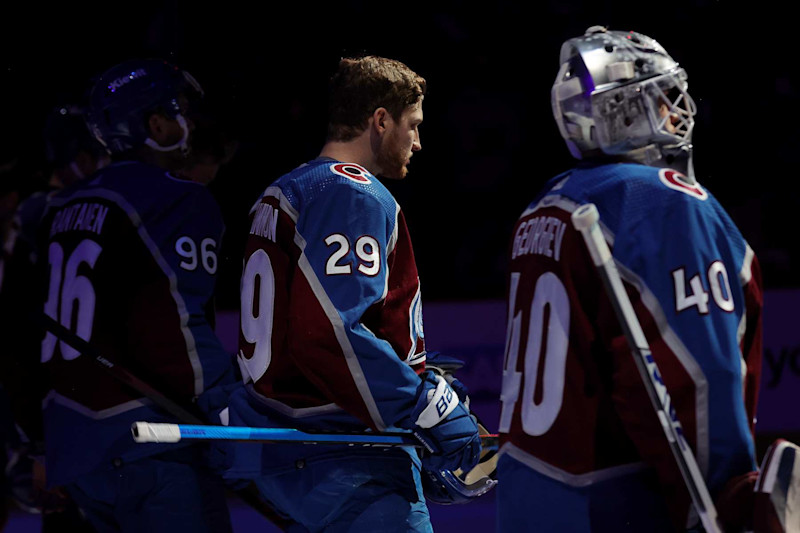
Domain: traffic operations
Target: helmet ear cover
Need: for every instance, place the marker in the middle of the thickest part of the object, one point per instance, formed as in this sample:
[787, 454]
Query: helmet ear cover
[454, 487]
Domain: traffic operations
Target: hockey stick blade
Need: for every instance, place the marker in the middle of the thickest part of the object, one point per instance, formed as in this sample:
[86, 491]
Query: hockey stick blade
[586, 219]
[159, 432]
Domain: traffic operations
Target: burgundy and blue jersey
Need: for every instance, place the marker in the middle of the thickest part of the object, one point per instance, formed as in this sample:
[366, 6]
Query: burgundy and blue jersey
[574, 409]
[331, 321]
[130, 262]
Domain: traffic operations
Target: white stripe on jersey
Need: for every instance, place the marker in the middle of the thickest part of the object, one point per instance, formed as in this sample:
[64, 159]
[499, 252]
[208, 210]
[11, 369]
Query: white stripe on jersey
[686, 359]
[573, 480]
[54, 397]
[286, 207]
[339, 330]
[568, 205]
[293, 412]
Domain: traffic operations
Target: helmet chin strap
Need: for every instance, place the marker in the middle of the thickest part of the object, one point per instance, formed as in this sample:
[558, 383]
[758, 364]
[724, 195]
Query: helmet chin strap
[182, 144]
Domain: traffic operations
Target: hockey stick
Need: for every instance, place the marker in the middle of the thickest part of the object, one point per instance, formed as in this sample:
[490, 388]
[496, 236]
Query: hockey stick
[249, 494]
[156, 432]
[585, 219]
[119, 373]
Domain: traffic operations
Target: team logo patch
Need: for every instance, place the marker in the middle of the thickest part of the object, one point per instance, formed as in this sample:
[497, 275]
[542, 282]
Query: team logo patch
[351, 171]
[675, 181]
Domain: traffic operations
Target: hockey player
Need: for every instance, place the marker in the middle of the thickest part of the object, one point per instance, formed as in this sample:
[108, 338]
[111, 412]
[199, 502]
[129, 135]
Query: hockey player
[72, 154]
[130, 260]
[581, 447]
[331, 324]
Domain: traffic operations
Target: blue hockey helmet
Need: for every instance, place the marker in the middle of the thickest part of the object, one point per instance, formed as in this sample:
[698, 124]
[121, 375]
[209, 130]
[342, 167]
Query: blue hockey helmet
[452, 487]
[124, 97]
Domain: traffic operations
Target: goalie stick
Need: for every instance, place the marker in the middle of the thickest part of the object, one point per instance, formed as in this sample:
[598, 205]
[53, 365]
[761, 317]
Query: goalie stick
[158, 432]
[586, 220]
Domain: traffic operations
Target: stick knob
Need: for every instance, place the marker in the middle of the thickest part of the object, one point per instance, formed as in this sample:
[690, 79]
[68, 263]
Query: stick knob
[585, 216]
[147, 432]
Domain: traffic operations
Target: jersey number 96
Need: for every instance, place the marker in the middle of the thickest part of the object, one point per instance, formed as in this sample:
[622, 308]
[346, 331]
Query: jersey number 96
[70, 295]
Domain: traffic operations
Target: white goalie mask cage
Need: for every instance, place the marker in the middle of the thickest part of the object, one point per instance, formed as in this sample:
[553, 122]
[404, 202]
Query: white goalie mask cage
[608, 98]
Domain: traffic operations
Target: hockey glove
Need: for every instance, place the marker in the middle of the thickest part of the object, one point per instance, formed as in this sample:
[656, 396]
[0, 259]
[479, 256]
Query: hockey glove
[445, 366]
[443, 424]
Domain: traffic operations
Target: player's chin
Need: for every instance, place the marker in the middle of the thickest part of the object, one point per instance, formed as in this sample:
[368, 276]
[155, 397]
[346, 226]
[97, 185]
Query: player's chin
[397, 173]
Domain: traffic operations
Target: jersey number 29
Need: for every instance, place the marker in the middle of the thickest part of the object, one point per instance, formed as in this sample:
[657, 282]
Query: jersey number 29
[256, 324]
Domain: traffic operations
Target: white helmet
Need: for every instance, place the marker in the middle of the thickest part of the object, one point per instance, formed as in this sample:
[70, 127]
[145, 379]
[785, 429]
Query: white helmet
[620, 94]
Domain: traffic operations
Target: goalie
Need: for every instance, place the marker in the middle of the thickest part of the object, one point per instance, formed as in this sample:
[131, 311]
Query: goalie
[582, 447]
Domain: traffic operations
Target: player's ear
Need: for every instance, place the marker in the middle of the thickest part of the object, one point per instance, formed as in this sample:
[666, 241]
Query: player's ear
[164, 130]
[379, 119]
[157, 126]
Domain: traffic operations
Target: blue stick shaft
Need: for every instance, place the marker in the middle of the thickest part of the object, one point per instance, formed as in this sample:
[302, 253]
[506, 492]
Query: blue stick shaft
[154, 432]
[289, 435]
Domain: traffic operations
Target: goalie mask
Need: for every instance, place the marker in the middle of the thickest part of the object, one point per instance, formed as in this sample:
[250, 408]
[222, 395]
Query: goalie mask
[621, 94]
[448, 487]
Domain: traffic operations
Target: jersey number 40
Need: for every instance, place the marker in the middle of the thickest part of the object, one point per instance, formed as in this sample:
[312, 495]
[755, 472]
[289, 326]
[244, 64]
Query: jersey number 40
[545, 356]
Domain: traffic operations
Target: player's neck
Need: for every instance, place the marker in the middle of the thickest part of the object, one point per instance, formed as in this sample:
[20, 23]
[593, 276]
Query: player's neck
[172, 161]
[356, 151]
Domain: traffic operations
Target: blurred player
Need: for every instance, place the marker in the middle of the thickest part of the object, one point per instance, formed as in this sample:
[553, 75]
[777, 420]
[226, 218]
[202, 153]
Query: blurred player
[130, 261]
[582, 448]
[331, 324]
[71, 153]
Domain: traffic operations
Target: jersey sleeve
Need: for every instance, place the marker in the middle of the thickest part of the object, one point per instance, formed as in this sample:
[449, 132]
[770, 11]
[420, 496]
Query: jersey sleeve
[182, 245]
[752, 335]
[357, 268]
[683, 273]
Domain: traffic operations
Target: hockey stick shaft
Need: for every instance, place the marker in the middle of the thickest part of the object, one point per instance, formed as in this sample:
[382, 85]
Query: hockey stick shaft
[157, 432]
[119, 373]
[249, 495]
[586, 220]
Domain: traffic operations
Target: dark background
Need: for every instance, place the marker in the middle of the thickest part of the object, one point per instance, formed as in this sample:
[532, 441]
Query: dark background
[489, 140]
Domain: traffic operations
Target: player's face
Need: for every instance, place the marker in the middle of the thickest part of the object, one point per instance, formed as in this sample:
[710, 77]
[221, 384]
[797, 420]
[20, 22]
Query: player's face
[672, 118]
[400, 143]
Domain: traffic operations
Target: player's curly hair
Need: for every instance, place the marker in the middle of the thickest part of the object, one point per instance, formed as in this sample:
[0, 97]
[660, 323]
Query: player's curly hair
[362, 85]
